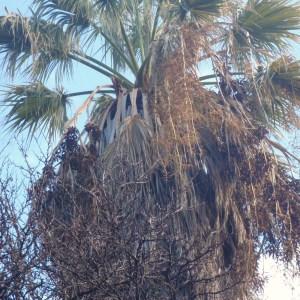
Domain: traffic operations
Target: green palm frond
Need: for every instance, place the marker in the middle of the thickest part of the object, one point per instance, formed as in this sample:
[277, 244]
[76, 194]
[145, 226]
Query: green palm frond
[265, 27]
[127, 29]
[136, 37]
[78, 16]
[141, 33]
[34, 107]
[15, 41]
[35, 46]
[55, 45]
[126, 44]
[279, 88]
[109, 8]
[194, 9]
[39, 47]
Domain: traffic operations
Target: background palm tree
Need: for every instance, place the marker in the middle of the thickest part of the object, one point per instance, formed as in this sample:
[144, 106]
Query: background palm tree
[163, 140]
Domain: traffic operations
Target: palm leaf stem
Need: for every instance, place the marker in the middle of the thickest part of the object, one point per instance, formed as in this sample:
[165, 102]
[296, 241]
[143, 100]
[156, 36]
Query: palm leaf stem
[90, 65]
[105, 66]
[209, 83]
[140, 35]
[70, 95]
[215, 75]
[120, 52]
[129, 48]
[155, 23]
[85, 105]
[100, 70]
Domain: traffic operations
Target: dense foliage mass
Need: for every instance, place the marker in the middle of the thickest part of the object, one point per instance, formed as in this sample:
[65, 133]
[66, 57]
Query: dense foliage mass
[175, 187]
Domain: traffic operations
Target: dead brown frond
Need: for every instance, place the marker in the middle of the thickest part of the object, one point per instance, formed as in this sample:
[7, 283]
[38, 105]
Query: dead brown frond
[177, 191]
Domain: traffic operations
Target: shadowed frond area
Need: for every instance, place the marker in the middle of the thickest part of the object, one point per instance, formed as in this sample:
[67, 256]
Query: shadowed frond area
[264, 27]
[106, 6]
[194, 9]
[76, 15]
[15, 41]
[35, 108]
[35, 46]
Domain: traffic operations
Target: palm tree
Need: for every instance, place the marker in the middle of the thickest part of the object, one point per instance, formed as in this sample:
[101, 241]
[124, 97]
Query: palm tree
[165, 143]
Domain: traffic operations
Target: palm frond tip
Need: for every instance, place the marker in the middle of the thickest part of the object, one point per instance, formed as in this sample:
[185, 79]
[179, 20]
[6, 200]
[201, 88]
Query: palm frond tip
[35, 108]
[263, 27]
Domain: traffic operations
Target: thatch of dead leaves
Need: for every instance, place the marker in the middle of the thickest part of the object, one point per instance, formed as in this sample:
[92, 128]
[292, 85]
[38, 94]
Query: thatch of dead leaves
[182, 201]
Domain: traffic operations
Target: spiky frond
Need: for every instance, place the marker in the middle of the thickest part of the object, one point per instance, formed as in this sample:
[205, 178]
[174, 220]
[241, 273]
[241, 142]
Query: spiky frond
[194, 9]
[110, 9]
[279, 88]
[35, 45]
[15, 41]
[77, 16]
[35, 108]
[264, 27]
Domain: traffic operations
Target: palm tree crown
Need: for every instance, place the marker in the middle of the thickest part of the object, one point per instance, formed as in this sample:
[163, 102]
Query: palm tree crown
[163, 136]
[129, 35]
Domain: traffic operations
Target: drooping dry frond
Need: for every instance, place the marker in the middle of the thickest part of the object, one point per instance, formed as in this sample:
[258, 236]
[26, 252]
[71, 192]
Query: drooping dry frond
[175, 163]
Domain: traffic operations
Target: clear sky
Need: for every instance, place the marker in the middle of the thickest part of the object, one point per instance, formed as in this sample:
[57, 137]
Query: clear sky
[277, 288]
